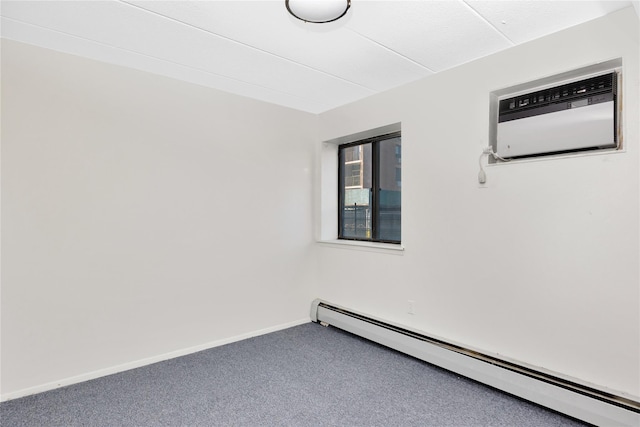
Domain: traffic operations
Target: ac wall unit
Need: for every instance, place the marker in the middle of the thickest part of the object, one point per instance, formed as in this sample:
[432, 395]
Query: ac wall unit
[576, 115]
[563, 395]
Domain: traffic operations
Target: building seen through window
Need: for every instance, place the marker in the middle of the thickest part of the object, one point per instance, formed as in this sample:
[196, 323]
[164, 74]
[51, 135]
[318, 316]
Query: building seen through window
[370, 177]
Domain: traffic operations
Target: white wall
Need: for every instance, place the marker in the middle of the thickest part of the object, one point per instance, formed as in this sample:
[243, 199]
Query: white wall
[141, 216]
[540, 265]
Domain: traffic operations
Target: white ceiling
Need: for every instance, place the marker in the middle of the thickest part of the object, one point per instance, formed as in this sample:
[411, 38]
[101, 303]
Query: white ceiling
[255, 49]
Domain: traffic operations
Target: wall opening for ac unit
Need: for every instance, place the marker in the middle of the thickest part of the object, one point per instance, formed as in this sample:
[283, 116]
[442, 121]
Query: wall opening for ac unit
[573, 112]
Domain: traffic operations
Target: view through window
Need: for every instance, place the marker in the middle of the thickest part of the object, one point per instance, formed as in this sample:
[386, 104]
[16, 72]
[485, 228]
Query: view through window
[370, 177]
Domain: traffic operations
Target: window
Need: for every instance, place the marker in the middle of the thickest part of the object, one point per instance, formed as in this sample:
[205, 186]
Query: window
[369, 196]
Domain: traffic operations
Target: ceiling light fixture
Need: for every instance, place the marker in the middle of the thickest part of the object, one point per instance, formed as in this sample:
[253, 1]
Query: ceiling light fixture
[318, 11]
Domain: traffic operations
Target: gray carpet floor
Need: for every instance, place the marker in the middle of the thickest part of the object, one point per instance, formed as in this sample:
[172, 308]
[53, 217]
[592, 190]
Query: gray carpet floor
[308, 375]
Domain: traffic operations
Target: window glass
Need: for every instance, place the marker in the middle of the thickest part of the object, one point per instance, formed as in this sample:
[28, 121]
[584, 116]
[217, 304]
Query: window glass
[356, 187]
[370, 178]
[390, 195]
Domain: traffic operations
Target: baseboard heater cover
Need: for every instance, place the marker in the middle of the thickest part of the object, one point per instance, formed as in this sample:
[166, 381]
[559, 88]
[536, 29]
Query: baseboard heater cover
[570, 398]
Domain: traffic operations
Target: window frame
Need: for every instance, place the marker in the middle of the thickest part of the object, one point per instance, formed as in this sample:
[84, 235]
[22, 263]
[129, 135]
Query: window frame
[375, 188]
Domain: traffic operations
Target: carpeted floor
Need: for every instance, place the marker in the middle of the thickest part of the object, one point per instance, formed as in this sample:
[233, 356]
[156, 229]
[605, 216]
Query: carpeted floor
[308, 375]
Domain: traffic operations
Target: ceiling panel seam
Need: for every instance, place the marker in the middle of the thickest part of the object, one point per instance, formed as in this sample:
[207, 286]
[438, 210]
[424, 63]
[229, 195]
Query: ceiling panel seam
[377, 43]
[291, 61]
[165, 60]
[475, 12]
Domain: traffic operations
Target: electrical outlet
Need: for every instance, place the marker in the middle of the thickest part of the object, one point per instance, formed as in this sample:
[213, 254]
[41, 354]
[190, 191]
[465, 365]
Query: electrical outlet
[411, 307]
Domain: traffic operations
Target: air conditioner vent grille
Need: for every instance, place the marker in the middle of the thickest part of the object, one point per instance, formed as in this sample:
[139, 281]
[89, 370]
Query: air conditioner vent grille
[558, 98]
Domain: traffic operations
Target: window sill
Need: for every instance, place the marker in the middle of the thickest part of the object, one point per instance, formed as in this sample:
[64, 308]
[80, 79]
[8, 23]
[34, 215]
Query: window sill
[586, 153]
[364, 246]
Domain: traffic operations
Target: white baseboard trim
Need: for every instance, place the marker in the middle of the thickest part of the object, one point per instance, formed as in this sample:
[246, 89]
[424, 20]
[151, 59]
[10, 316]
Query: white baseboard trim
[143, 362]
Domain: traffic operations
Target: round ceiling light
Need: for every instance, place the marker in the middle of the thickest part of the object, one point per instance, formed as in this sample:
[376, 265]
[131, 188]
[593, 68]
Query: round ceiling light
[318, 11]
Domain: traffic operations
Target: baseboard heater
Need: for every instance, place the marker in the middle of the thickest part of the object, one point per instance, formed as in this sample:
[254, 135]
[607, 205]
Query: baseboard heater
[576, 400]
